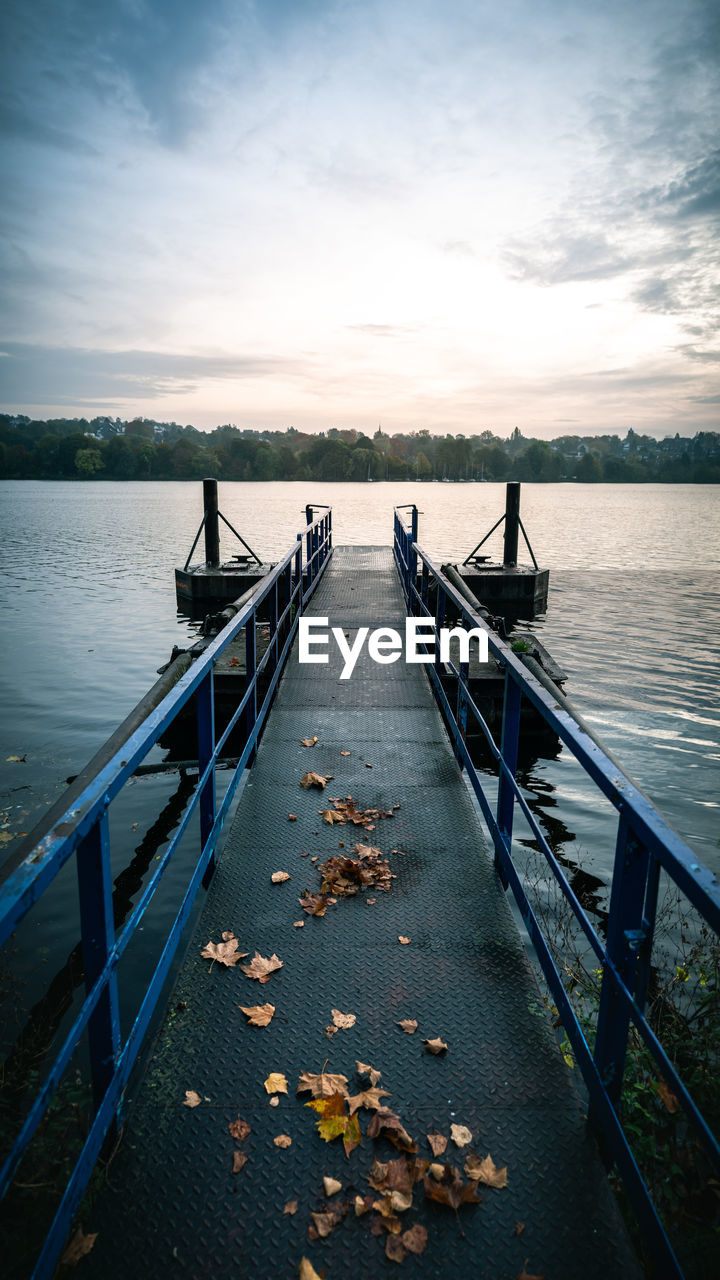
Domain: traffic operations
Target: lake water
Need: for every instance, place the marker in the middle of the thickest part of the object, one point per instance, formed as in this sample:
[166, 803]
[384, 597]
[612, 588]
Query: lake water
[88, 612]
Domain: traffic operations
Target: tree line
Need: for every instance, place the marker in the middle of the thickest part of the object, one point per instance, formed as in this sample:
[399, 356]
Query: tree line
[111, 449]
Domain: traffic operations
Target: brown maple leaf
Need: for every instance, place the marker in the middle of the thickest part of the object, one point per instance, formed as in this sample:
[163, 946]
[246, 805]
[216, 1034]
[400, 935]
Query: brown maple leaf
[408, 1025]
[385, 1124]
[79, 1245]
[331, 816]
[239, 1129]
[437, 1143]
[435, 1046]
[485, 1171]
[276, 1083]
[225, 952]
[258, 1015]
[261, 968]
[364, 1069]
[311, 779]
[323, 1085]
[369, 1099]
[415, 1239]
[450, 1188]
[334, 1123]
[343, 1020]
[394, 1176]
[314, 903]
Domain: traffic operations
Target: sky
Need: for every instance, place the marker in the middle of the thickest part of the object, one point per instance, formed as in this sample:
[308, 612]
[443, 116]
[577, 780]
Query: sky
[331, 213]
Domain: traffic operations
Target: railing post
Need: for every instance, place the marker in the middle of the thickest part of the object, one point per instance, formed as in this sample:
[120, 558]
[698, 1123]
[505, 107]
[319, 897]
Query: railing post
[250, 679]
[412, 557]
[212, 528]
[509, 744]
[206, 745]
[98, 937]
[625, 940]
[439, 623]
[512, 523]
[462, 706]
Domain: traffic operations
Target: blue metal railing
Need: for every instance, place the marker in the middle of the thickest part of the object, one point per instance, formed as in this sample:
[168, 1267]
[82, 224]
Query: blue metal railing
[645, 845]
[84, 831]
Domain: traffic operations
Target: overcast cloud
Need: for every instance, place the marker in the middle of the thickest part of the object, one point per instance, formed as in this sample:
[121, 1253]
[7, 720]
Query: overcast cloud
[334, 213]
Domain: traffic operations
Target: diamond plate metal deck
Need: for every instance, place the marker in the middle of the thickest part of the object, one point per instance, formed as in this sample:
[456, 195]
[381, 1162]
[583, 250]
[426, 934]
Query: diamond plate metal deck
[172, 1206]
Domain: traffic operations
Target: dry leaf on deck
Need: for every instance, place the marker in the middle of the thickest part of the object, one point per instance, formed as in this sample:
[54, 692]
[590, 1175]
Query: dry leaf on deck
[290, 1207]
[326, 1221]
[334, 1123]
[438, 1143]
[395, 1249]
[239, 1161]
[283, 1140]
[364, 1069]
[239, 1129]
[485, 1171]
[311, 779]
[409, 1025]
[306, 1271]
[385, 1124]
[460, 1135]
[450, 1189]
[332, 1186]
[192, 1099]
[344, 753]
[276, 1083]
[298, 924]
[279, 877]
[343, 1020]
[435, 1046]
[314, 903]
[323, 1085]
[79, 1245]
[369, 1099]
[403, 940]
[415, 1239]
[261, 968]
[527, 1275]
[292, 817]
[309, 742]
[258, 1015]
[225, 952]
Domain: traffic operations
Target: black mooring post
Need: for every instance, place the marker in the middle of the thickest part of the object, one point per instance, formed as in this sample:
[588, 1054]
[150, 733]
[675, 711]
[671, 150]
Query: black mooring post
[212, 528]
[512, 523]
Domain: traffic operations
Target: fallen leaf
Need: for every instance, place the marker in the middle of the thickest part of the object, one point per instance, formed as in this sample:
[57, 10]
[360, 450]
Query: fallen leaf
[239, 1161]
[275, 1101]
[323, 1085]
[276, 1083]
[343, 1020]
[290, 1206]
[239, 1129]
[314, 903]
[450, 1188]
[225, 952]
[435, 1046]
[519, 1228]
[438, 1143]
[409, 1025]
[395, 1249]
[527, 1275]
[311, 779]
[283, 1140]
[370, 1100]
[437, 1171]
[668, 1097]
[326, 1221]
[298, 924]
[334, 1123]
[363, 1204]
[292, 817]
[460, 1134]
[192, 1099]
[485, 1171]
[344, 753]
[332, 1186]
[364, 1069]
[279, 877]
[385, 1124]
[23, 760]
[79, 1245]
[306, 1271]
[309, 742]
[258, 1015]
[261, 968]
[368, 765]
[415, 1239]
[403, 940]
[331, 816]
[370, 902]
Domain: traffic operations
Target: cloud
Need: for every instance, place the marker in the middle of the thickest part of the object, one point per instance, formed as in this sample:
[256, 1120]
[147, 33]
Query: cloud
[49, 375]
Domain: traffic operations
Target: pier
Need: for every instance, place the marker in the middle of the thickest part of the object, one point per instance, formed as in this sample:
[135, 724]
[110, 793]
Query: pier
[391, 960]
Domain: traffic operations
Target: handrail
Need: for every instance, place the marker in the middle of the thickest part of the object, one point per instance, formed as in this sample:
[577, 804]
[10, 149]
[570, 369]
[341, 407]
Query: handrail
[645, 845]
[83, 830]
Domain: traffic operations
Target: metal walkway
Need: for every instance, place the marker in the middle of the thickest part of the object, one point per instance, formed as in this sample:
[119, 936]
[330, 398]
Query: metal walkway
[171, 1205]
